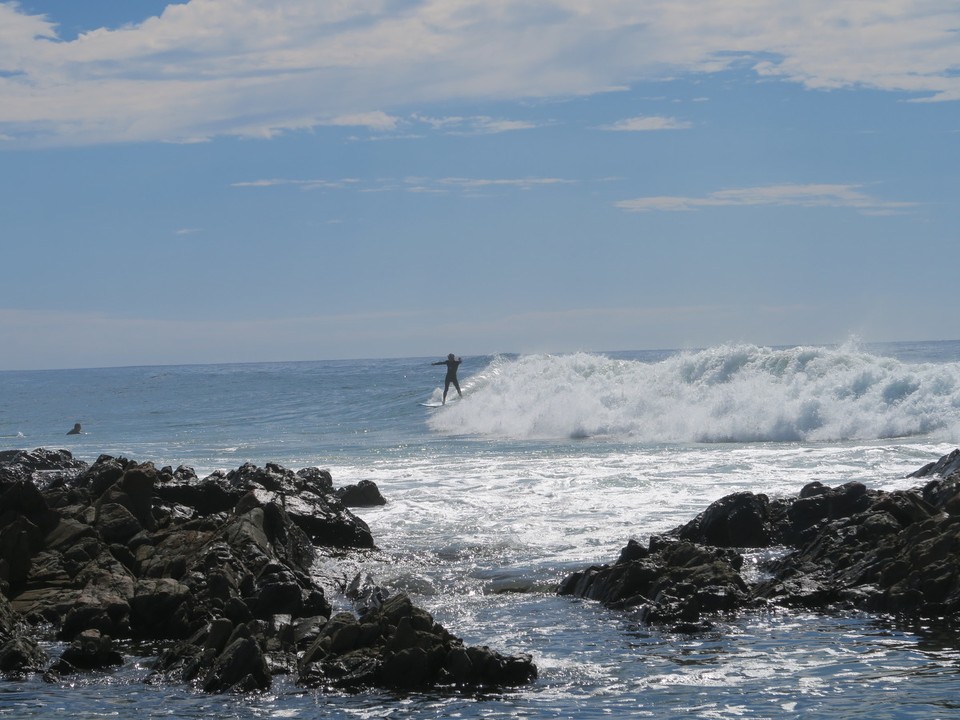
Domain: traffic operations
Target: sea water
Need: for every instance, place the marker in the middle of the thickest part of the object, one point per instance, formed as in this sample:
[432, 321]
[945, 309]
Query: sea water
[550, 463]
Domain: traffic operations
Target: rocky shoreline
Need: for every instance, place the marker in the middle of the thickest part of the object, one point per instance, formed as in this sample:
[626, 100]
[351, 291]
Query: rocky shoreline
[217, 572]
[828, 549]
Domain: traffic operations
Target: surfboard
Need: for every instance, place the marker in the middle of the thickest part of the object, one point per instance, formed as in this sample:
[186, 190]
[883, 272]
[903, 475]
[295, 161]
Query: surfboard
[437, 403]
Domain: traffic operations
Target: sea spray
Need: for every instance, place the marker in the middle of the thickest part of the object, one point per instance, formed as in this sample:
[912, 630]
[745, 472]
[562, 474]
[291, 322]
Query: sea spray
[730, 393]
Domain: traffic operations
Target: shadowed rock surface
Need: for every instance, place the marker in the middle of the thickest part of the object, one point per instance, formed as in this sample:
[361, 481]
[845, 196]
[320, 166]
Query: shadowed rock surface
[218, 570]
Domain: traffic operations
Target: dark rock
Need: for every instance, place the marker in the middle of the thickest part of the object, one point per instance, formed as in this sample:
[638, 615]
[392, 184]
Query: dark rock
[101, 475]
[364, 494]
[22, 498]
[115, 523]
[944, 467]
[852, 548]
[91, 650]
[42, 467]
[315, 480]
[213, 494]
[739, 520]
[305, 496]
[241, 667]
[217, 570]
[633, 551]
[20, 540]
[19, 654]
[675, 581]
[399, 646]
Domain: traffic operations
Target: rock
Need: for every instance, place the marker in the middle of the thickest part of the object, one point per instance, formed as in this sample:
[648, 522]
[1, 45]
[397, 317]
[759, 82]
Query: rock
[101, 475]
[42, 467]
[89, 651]
[19, 654]
[306, 497]
[365, 593]
[315, 480]
[364, 494]
[674, 582]
[739, 520]
[20, 540]
[852, 548]
[241, 667]
[217, 571]
[944, 467]
[214, 494]
[115, 523]
[399, 646]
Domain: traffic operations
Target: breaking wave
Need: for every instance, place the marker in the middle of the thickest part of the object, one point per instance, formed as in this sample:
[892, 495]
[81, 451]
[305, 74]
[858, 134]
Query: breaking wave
[731, 393]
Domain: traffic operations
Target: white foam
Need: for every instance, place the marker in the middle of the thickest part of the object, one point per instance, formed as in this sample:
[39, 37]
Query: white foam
[732, 393]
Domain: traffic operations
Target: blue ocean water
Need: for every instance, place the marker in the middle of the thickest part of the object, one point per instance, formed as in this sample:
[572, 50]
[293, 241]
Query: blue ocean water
[551, 462]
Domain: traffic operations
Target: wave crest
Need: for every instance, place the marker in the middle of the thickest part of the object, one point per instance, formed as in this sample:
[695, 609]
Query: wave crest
[730, 393]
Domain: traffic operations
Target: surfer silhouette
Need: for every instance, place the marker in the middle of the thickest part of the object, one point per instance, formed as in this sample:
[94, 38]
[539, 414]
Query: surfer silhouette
[76, 430]
[452, 364]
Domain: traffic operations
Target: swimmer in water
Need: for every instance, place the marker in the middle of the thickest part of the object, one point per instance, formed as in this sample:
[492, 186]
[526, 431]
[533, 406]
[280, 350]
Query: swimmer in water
[76, 430]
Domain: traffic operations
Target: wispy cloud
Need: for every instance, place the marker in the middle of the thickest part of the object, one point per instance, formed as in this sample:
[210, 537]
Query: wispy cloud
[411, 184]
[187, 231]
[473, 125]
[376, 120]
[810, 195]
[314, 184]
[248, 68]
[526, 183]
[646, 123]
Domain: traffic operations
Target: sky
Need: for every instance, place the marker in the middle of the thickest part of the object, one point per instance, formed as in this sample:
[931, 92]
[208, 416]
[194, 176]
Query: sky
[248, 180]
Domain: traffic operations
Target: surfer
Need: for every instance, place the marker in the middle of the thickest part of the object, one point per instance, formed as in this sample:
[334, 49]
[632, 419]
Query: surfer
[76, 430]
[452, 364]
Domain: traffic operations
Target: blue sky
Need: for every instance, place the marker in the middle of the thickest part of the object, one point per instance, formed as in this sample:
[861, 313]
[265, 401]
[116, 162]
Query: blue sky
[244, 180]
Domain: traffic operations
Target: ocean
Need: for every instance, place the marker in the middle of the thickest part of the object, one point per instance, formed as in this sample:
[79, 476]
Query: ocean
[550, 463]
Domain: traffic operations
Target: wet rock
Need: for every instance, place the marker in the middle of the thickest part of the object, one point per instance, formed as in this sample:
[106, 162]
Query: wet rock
[674, 582]
[91, 650]
[364, 494]
[218, 570]
[241, 667]
[42, 467]
[945, 467]
[739, 520]
[847, 547]
[19, 654]
[400, 646]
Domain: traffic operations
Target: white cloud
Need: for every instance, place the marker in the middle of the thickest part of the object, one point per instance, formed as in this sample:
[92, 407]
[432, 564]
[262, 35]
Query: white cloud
[644, 123]
[256, 68]
[376, 120]
[521, 183]
[810, 195]
[474, 125]
[410, 184]
[315, 184]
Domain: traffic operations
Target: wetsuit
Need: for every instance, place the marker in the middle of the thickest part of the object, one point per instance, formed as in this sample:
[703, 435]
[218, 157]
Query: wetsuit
[452, 365]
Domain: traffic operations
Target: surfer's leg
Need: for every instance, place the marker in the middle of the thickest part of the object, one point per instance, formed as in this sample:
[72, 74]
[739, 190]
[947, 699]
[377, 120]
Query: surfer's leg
[457, 386]
[446, 388]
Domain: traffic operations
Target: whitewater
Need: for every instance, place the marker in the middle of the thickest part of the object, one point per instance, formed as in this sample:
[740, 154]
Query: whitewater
[549, 463]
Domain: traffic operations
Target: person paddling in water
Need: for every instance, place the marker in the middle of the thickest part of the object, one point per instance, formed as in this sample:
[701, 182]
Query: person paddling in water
[452, 364]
